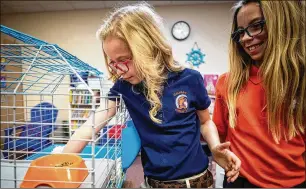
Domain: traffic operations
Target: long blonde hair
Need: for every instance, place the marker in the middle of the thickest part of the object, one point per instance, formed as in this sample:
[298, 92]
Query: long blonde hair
[283, 68]
[139, 26]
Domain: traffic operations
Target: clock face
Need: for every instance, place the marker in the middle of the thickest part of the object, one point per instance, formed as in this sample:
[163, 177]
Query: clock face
[180, 30]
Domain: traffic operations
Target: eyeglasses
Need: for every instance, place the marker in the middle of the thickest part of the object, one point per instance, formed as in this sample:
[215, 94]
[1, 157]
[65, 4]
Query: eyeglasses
[252, 30]
[122, 66]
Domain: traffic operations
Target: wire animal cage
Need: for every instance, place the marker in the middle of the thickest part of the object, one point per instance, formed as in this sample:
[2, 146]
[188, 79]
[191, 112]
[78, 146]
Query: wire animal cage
[45, 93]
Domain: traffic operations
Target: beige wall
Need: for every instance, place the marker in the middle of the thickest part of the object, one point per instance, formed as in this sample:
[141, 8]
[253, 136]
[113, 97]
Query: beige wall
[210, 26]
[75, 32]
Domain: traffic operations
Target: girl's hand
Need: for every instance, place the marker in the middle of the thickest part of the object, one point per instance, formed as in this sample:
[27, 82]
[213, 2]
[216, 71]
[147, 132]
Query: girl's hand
[227, 160]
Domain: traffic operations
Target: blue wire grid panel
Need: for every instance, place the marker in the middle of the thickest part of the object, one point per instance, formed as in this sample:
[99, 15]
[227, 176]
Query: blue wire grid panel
[46, 95]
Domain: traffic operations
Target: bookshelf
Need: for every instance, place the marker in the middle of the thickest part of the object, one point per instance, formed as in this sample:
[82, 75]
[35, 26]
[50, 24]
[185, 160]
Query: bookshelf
[80, 105]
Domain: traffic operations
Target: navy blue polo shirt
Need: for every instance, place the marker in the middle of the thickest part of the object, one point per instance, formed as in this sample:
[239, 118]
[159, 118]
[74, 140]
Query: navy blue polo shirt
[172, 149]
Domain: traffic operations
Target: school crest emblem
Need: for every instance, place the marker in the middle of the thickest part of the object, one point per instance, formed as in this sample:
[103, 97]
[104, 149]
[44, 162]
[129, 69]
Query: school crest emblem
[181, 102]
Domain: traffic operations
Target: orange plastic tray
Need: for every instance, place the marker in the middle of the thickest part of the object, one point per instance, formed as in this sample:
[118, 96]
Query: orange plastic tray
[55, 171]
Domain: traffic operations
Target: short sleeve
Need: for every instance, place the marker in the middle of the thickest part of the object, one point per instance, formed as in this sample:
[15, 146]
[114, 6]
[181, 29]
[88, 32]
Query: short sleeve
[114, 91]
[220, 114]
[202, 100]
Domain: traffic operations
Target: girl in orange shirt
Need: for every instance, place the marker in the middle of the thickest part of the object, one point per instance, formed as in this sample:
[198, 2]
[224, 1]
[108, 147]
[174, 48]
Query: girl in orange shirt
[261, 103]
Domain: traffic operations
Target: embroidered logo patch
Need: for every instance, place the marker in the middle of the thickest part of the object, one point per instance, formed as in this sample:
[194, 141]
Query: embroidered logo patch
[181, 101]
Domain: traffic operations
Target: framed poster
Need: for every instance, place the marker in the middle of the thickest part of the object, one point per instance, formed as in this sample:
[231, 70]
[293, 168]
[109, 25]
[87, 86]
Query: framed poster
[210, 81]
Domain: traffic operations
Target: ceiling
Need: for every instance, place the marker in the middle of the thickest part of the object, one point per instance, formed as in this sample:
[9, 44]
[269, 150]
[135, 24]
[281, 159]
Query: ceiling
[11, 7]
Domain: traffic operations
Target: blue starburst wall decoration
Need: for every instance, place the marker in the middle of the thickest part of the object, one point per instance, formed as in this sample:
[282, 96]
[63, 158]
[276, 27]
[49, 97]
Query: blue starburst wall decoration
[195, 57]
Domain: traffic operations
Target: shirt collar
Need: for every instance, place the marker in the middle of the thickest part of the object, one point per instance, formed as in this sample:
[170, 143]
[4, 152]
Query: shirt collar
[254, 70]
[254, 77]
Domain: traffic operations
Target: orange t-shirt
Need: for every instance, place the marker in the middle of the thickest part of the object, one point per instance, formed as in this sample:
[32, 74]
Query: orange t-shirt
[263, 162]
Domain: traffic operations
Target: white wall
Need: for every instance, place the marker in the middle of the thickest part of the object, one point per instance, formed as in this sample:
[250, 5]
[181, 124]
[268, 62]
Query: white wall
[75, 32]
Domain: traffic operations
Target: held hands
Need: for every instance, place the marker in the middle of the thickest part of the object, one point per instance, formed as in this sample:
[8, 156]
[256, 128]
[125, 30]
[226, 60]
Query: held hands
[227, 160]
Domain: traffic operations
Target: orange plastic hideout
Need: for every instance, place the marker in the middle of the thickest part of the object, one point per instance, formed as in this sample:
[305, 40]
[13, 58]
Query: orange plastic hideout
[56, 171]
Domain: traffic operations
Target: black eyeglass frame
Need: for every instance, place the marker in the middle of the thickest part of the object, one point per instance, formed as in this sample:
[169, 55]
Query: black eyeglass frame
[236, 35]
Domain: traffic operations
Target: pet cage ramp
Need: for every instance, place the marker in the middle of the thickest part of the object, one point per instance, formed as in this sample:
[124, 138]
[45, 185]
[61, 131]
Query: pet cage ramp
[35, 76]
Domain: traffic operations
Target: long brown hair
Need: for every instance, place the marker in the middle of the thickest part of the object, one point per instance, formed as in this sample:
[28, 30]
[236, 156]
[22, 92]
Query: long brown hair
[283, 68]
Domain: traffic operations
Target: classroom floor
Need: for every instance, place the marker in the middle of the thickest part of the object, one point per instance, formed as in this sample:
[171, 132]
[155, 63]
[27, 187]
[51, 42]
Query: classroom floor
[134, 175]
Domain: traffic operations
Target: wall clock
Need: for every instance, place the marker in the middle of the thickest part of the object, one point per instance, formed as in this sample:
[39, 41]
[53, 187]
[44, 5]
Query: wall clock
[180, 30]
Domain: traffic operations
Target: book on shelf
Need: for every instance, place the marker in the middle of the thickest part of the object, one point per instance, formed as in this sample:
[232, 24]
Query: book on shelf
[76, 124]
[80, 105]
[80, 114]
[83, 97]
